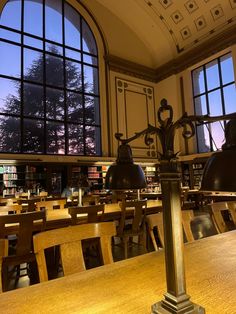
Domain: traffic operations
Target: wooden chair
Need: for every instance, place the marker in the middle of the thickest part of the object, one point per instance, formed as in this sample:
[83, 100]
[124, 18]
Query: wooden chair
[232, 209]
[156, 221]
[43, 195]
[217, 209]
[187, 218]
[69, 239]
[3, 253]
[93, 213]
[8, 201]
[51, 204]
[24, 196]
[22, 252]
[14, 209]
[137, 227]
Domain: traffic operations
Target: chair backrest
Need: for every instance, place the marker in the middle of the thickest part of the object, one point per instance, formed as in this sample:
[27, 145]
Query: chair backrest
[155, 221]
[14, 209]
[217, 209]
[51, 204]
[24, 196]
[43, 195]
[69, 239]
[8, 201]
[25, 223]
[3, 253]
[93, 213]
[232, 209]
[138, 220]
[187, 218]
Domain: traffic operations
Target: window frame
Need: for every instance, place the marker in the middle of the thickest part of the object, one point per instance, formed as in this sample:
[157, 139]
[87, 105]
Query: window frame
[82, 11]
[207, 91]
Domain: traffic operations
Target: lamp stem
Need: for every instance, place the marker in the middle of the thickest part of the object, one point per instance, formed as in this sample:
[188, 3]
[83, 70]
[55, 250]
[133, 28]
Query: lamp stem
[176, 299]
[80, 197]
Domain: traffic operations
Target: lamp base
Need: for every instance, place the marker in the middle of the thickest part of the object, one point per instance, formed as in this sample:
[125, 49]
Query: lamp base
[158, 308]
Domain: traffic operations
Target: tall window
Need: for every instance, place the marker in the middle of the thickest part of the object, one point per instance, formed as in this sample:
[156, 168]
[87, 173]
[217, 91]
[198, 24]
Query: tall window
[214, 94]
[49, 93]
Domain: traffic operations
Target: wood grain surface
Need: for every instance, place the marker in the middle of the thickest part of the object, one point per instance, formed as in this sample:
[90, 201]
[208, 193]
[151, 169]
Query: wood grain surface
[133, 285]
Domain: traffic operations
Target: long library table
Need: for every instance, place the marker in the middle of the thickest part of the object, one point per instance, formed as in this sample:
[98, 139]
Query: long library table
[59, 218]
[133, 285]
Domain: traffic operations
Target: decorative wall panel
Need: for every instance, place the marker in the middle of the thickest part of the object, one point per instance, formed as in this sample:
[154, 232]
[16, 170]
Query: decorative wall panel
[135, 109]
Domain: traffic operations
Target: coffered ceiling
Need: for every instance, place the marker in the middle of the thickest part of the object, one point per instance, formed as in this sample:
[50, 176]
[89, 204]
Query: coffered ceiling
[155, 32]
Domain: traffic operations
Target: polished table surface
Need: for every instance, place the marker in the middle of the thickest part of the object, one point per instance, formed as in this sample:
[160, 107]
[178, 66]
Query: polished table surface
[133, 285]
[112, 211]
[59, 218]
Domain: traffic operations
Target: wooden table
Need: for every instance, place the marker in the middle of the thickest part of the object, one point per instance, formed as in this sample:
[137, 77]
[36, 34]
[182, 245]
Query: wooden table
[59, 218]
[133, 285]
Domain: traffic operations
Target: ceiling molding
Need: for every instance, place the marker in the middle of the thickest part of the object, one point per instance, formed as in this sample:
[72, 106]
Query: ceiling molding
[201, 52]
[130, 68]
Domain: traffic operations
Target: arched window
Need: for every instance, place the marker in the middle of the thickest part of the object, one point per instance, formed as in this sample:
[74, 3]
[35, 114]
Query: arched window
[49, 93]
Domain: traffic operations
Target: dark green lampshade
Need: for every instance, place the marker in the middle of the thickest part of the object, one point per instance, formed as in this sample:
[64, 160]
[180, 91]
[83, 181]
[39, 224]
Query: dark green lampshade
[220, 170]
[124, 174]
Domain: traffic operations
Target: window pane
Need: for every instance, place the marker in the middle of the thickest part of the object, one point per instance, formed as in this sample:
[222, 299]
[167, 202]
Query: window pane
[90, 80]
[74, 107]
[9, 134]
[10, 35]
[33, 100]
[198, 81]
[72, 27]
[72, 54]
[217, 133]
[92, 140]
[56, 49]
[227, 69]
[73, 75]
[33, 136]
[53, 20]
[10, 59]
[212, 75]
[89, 44]
[229, 98]
[89, 59]
[55, 138]
[33, 65]
[35, 84]
[54, 71]
[33, 17]
[200, 105]
[55, 104]
[215, 103]
[92, 112]
[30, 41]
[9, 96]
[11, 14]
[75, 139]
[203, 139]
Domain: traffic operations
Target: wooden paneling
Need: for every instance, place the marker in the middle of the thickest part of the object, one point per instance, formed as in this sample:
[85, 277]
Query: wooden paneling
[135, 109]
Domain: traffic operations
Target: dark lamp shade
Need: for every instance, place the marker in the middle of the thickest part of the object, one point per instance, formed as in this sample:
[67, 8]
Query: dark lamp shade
[127, 176]
[220, 172]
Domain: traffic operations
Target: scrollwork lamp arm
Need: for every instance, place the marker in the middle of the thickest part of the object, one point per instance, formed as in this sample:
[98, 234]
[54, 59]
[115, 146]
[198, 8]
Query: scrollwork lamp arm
[176, 300]
[166, 130]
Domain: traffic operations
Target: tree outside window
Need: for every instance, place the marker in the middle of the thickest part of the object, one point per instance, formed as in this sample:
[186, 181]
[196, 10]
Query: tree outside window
[49, 93]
